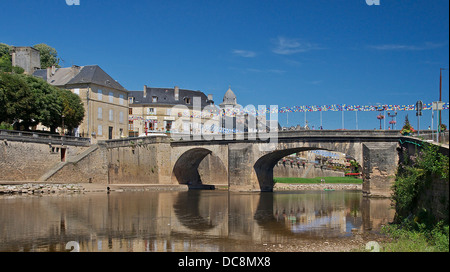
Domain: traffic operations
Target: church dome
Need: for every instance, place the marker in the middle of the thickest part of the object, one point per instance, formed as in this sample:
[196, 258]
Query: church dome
[229, 98]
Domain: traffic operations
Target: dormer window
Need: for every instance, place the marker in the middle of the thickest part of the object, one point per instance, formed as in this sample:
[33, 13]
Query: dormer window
[187, 100]
[154, 99]
[130, 100]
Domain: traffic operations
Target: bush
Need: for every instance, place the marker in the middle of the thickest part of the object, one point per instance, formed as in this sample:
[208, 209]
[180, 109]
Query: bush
[4, 125]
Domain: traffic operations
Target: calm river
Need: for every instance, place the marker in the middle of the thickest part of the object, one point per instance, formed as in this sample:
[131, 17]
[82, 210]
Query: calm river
[187, 221]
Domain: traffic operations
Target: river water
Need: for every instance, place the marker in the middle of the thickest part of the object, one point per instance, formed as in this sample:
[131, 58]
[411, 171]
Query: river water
[184, 221]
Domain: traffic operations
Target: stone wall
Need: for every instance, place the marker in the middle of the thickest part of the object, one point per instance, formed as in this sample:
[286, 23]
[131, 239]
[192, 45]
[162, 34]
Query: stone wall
[92, 168]
[435, 199]
[139, 161]
[310, 171]
[27, 161]
[212, 171]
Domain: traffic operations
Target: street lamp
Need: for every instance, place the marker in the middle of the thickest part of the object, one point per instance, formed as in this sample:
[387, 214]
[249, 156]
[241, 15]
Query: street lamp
[380, 117]
[62, 125]
[440, 100]
[392, 122]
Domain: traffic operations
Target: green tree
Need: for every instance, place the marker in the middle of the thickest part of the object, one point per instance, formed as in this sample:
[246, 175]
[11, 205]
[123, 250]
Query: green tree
[17, 101]
[5, 50]
[27, 100]
[48, 100]
[49, 55]
[72, 108]
[6, 60]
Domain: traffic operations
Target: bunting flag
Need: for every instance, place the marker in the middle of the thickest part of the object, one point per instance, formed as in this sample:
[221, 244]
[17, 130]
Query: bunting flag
[235, 112]
[343, 107]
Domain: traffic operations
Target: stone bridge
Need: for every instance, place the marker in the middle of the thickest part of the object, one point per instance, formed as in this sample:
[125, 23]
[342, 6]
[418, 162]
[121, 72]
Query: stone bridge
[245, 162]
[240, 162]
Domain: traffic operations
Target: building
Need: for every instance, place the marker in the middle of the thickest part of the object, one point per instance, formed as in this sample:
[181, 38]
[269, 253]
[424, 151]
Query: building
[105, 100]
[170, 110]
[26, 57]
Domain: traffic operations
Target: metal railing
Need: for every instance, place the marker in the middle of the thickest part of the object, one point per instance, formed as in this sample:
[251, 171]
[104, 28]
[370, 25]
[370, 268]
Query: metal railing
[36, 137]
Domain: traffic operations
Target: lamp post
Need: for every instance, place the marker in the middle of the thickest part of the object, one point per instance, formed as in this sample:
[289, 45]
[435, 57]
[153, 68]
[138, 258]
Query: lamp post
[62, 125]
[392, 122]
[380, 109]
[440, 100]
[380, 117]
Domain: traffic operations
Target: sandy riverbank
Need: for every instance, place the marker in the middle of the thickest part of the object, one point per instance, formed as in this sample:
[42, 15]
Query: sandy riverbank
[316, 186]
[23, 186]
[355, 243]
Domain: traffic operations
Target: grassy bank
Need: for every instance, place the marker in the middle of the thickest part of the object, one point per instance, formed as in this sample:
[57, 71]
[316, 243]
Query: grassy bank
[416, 237]
[350, 180]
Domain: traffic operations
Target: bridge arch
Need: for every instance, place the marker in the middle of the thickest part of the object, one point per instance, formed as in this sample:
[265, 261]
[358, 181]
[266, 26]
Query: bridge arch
[199, 166]
[264, 165]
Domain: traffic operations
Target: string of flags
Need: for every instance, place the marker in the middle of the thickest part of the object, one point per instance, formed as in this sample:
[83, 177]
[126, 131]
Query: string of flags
[343, 107]
[233, 112]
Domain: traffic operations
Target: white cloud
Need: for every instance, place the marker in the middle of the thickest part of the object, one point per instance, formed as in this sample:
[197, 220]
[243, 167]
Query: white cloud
[425, 46]
[244, 53]
[287, 46]
[257, 70]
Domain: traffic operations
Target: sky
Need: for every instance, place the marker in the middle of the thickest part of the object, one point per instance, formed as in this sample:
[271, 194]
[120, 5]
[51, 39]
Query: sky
[285, 53]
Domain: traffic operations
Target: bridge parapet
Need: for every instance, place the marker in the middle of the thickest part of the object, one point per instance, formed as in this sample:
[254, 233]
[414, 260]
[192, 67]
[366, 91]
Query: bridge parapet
[135, 141]
[273, 136]
[43, 138]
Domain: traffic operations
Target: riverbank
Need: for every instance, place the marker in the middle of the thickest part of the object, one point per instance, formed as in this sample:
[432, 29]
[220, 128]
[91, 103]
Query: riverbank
[31, 188]
[355, 243]
[316, 186]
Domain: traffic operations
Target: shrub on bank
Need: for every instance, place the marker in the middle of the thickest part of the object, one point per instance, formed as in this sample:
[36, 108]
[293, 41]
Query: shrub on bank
[415, 227]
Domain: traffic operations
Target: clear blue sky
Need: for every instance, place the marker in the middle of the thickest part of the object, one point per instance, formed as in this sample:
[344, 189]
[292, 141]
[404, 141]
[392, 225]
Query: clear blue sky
[287, 53]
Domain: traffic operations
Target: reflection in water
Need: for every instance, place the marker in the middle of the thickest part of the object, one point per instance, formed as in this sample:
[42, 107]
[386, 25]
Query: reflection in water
[183, 221]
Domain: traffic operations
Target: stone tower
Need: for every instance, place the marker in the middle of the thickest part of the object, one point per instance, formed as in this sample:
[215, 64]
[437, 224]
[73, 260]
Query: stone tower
[28, 58]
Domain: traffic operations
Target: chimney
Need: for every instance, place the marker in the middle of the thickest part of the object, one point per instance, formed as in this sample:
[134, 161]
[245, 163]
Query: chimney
[176, 93]
[145, 90]
[49, 73]
[210, 97]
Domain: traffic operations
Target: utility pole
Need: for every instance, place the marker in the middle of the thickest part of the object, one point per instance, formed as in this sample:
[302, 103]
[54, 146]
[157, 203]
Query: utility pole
[440, 100]
[419, 106]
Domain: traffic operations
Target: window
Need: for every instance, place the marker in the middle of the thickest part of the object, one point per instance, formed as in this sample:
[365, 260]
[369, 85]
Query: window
[169, 112]
[130, 125]
[130, 110]
[100, 130]
[187, 100]
[111, 115]
[121, 117]
[151, 111]
[111, 97]
[99, 113]
[76, 91]
[121, 99]
[154, 99]
[130, 100]
[100, 94]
